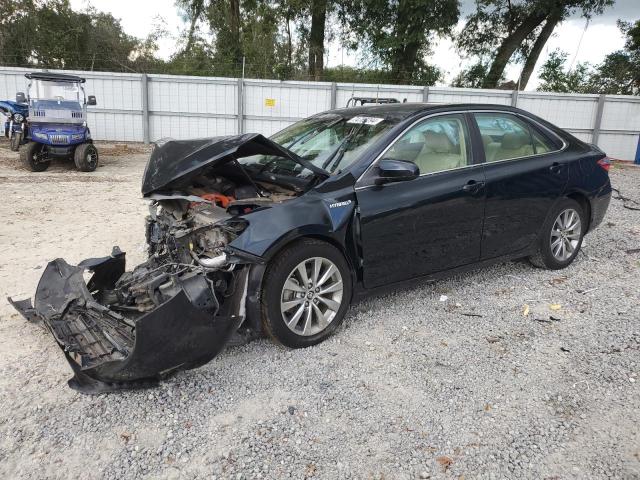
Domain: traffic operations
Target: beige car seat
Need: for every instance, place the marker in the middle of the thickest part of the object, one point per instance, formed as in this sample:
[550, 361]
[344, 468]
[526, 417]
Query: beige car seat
[514, 145]
[490, 148]
[438, 153]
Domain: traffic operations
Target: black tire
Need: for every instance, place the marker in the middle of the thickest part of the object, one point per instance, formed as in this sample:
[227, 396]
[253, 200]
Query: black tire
[544, 257]
[14, 143]
[86, 157]
[31, 156]
[272, 291]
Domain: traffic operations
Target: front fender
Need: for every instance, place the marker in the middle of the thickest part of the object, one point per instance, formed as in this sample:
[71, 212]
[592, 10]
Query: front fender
[311, 215]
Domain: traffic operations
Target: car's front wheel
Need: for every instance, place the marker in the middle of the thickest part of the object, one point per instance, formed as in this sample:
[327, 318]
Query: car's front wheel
[86, 157]
[33, 157]
[306, 293]
[561, 236]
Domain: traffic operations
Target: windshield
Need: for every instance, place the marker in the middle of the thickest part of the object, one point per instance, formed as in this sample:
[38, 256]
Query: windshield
[331, 142]
[49, 90]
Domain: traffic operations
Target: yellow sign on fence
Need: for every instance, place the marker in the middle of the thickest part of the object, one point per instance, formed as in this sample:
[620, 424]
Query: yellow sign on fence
[269, 102]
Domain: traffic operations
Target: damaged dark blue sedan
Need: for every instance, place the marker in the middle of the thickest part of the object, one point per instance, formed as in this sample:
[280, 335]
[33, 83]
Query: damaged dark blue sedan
[248, 235]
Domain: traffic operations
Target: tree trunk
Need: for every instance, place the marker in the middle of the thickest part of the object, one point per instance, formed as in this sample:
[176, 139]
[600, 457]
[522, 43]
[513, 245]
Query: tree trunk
[509, 46]
[539, 44]
[316, 38]
[289, 43]
[195, 11]
[404, 59]
[234, 28]
[404, 63]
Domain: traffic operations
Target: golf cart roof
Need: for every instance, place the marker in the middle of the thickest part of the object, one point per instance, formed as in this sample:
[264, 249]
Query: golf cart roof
[54, 77]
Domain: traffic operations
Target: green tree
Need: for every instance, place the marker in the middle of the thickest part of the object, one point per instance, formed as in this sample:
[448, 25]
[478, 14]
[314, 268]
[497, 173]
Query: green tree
[503, 31]
[556, 77]
[619, 73]
[399, 34]
[50, 34]
[471, 77]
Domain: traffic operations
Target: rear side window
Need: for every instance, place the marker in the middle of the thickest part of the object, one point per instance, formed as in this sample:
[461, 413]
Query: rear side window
[505, 136]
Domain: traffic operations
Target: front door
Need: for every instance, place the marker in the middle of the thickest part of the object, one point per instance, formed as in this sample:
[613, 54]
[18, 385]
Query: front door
[428, 224]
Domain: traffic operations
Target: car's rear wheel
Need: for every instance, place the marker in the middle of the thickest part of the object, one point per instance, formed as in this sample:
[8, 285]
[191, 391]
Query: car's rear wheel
[33, 157]
[86, 157]
[561, 236]
[306, 293]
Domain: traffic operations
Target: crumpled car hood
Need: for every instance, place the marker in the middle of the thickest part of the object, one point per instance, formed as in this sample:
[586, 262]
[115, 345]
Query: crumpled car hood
[173, 163]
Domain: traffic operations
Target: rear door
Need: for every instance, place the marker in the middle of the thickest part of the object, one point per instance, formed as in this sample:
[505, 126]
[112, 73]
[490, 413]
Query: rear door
[524, 175]
[430, 223]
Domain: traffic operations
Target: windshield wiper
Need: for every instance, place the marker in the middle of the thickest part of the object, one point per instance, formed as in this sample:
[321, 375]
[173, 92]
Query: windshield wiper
[339, 151]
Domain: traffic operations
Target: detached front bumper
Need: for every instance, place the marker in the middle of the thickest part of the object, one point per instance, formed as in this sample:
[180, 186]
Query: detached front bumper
[108, 350]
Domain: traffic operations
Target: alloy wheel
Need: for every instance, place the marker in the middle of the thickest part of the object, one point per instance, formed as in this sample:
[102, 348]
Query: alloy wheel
[92, 158]
[311, 296]
[565, 234]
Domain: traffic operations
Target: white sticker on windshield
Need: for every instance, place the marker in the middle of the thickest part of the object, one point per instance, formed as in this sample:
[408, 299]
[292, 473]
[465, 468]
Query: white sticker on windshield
[362, 120]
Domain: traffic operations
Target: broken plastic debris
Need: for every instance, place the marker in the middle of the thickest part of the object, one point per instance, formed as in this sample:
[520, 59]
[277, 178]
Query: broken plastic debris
[525, 310]
[443, 298]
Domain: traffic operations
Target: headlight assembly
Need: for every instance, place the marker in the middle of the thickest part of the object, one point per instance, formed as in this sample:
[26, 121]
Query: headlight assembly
[41, 136]
[77, 136]
[17, 117]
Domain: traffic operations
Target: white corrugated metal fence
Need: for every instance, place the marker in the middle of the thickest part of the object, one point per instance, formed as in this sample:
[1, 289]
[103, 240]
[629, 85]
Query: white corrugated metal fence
[139, 108]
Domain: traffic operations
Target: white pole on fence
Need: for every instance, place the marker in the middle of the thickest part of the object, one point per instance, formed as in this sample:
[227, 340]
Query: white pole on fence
[144, 87]
[334, 88]
[597, 121]
[241, 101]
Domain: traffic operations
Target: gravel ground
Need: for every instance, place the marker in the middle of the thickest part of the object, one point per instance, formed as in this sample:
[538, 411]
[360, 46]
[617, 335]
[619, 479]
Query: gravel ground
[409, 387]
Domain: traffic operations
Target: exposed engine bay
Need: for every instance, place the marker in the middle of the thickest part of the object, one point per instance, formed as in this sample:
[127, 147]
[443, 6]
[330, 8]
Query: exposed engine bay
[186, 236]
[127, 329]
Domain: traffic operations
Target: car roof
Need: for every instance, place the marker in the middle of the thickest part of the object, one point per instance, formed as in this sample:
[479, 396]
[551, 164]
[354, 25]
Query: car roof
[400, 111]
[56, 77]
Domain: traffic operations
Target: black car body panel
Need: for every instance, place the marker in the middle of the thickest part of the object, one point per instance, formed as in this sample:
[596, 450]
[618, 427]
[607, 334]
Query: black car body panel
[106, 350]
[389, 233]
[174, 163]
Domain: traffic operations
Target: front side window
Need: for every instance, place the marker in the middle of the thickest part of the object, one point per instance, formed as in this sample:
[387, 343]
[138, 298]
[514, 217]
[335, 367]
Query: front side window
[436, 144]
[505, 136]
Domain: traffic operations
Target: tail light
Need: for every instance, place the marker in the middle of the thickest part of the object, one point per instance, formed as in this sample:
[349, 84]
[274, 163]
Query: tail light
[605, 163]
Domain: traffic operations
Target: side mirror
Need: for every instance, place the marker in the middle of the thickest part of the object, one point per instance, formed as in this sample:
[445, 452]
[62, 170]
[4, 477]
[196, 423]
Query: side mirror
[91, 100]
[390, 170]
[21, 98]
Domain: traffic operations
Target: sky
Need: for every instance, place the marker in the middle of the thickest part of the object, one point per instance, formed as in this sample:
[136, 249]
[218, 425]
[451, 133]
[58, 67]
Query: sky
[139, 17]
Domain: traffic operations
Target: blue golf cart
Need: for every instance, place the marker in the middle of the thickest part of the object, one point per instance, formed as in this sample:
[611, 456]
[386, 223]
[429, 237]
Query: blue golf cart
[56, 122]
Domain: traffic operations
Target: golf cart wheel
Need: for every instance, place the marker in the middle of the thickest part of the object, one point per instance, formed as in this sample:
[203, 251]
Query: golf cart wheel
[86, 157]
[306, 293]
[14, 144]
[561, 236]
[33, 155]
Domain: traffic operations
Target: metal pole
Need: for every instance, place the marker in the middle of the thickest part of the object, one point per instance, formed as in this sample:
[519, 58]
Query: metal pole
[145, 107]
[334, 92]
[514, 98]
[425, 95]
[597, 121]
[240, 106]
[241, 101]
